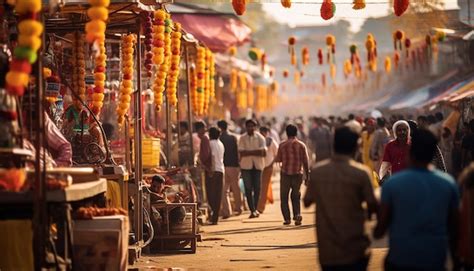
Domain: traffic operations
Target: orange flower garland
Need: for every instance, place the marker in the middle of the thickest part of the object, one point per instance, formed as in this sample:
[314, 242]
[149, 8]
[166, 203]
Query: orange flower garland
[234, 76]
[29, 41]
[201, 83]
[98, 13]
[212, 71]
[388, 64]
[174, 68]
[162, 52]
[193, 92]
[99, 79]
[126, 86]
[79, 66]
[207, 80]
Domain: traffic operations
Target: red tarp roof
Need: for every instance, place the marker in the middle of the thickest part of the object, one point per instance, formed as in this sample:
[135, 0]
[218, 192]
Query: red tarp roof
[219, 33]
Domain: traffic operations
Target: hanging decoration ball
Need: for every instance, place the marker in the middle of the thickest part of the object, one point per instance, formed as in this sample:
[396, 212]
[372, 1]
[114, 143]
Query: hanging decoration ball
[305, 55]
[400, 6]
[286, 3]
[358, 4]
[233, 51]
[286, 73]
[397, 39]
[239, 6]
[255, 54]
[388, 64]
[291, 41]
[328, 9]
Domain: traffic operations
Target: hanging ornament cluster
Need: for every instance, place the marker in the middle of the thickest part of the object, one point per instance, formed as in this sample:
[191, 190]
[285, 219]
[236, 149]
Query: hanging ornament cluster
[320, 56]
[262, 98]
[208, 79]
[172, 84]
[79, 66]
[397, 39]
[201, 82]
[347, 68]
[291, 50]
[358, 4]
[98, 14]
[234, 77]
[126, 86]
[162, 52]
[239, 6]
[371, 46]
[331, 48]
[286, 3]
[407, 47]
[400, 6]
[99, 78]
[29, 42]
[305, 56]
[148, 31]
[388, 65]
[328, 9]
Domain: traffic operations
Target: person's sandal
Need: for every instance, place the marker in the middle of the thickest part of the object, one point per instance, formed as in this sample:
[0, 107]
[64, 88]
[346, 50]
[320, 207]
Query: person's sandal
[287, 222]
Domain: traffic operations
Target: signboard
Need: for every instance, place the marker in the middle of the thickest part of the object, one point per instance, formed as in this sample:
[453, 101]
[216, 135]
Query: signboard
[466, 12]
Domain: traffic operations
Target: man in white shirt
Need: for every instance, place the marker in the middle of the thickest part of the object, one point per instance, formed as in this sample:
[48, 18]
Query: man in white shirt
[215, 184]
[252, 151]
[272, 149]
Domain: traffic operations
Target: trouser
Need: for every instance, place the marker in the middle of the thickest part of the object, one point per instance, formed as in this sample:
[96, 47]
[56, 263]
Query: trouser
[252, 182]
[293, 183]
[214, 186]
[389, 266]
[266, 182]
[231, 184]
[360, 265]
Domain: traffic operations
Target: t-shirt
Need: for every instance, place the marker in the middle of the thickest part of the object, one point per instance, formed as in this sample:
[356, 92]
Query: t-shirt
[397, 155]
[217, 152]
[420, 201]
[338, 186]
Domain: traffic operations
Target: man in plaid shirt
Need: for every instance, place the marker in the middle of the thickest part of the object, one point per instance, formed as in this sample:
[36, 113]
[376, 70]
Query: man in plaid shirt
[293, 159]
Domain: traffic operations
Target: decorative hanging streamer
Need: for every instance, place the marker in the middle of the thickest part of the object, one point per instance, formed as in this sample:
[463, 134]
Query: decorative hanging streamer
[332, 71]
[297, 78]
[396, 59]
[371, 52]
[388, 65]
[331, 47]
[172, 80]
[201, 84]
[323, 80]
[148, 30]
[126, 86]
[354, 54]
[233, 80]
[291, 50]
[358, 4]
[320, 56]
[162, 53]
[263, 61]
[286, 3]
[328, 9]
[98, 13]
[193, 91]
[347, 68]
[407, 47]
[305, 56]
[239, 6]
[400, 6]
[397, 39]
[29, 41]
[286, 73]
[99, 78]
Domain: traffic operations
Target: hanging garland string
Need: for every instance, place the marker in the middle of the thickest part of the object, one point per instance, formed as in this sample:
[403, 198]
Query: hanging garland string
[126, 86]
[201, 83]
[172, 84]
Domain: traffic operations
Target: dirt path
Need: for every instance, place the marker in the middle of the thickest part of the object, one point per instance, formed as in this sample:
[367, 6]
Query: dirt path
[239, 243]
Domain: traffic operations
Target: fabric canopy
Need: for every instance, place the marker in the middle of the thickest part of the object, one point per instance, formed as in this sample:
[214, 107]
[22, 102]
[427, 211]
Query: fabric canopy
[219, 33]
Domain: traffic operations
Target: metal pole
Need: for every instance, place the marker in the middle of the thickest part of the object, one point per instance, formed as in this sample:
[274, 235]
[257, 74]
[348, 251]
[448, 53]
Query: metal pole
[40, 225]
[188, 101]
[138, 141]
[169, 133]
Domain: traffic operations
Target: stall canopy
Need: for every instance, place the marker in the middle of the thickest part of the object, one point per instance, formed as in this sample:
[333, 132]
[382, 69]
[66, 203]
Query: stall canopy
[218, 31]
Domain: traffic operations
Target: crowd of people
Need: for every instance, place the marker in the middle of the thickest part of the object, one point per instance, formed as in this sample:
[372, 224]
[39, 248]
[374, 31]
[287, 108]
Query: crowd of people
[342, 162]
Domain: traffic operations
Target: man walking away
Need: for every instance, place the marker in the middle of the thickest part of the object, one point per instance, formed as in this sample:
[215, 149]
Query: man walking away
[420, 209]
[339, 186]
[272, 149]
[252, 153]
[232, 171]
[293, 156]
[215, 184]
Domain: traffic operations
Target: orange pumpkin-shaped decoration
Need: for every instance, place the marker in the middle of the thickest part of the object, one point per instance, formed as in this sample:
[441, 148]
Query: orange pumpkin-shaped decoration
[400, 6]
[239, 6]
[286, 3]
[328, 9]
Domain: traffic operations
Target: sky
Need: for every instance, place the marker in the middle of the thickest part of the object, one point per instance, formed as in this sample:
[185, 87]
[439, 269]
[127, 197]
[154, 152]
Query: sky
[303, 13]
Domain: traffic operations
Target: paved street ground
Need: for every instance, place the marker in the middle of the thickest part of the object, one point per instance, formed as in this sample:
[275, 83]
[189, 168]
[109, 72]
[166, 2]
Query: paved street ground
[239, 243]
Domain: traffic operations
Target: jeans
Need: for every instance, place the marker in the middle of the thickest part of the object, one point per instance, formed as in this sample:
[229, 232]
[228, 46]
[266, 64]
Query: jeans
[214, 188]
[360, 265]
[293, 183]
[252, 183]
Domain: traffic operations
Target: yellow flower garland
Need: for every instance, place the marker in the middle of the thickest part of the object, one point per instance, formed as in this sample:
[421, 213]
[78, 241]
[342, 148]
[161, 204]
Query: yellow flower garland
[193, 91]
[212, 71]
[234, 77]
[201, 83]
[161, 54]
[173, 76]
[99, 79]
[98, 13]
[29, 41]
[126, 87]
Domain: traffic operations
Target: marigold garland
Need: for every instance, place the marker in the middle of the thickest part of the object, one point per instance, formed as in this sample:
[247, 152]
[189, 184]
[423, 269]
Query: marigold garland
[234, 76]
[99, 79]
[98, 13]
[347, 68]
[162, 50]
[79, 66]
[148, 30]
[207, 80]
[262, 98]
[201, 83]
[212, 71]
[29, 41]
[172, 84]
[126, 86]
